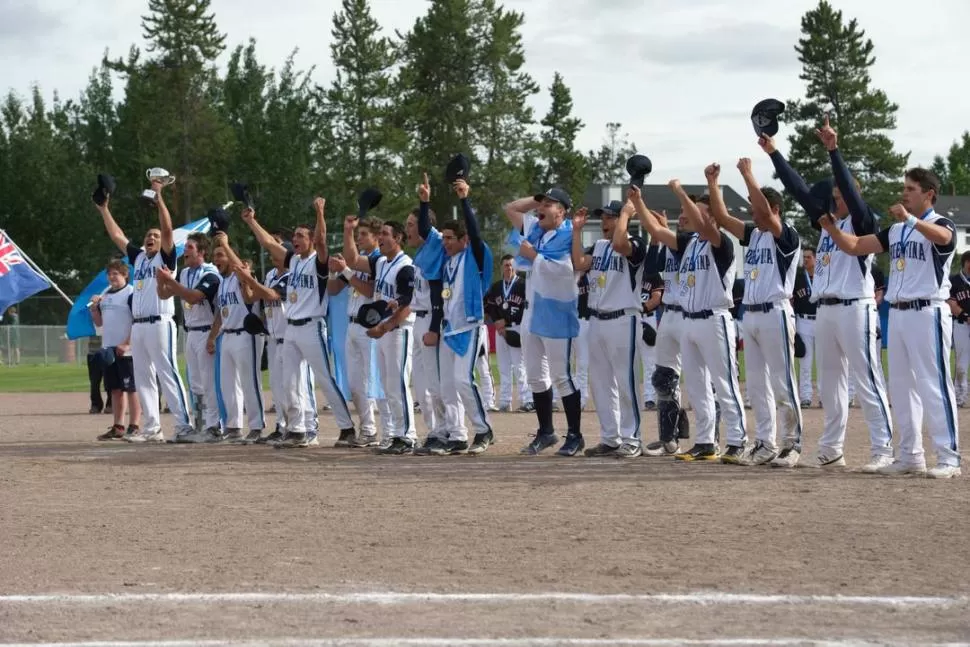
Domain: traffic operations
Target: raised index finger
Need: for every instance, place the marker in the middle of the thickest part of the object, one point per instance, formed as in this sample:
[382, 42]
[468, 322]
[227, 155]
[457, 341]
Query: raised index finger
[826, 123]
[425, 179]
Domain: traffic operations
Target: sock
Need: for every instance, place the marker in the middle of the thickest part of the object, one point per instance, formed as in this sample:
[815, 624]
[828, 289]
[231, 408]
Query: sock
[543, 404]
[683, 425]
[572, 404]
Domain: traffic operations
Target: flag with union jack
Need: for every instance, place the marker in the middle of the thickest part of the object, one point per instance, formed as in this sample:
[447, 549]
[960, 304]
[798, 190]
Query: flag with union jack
[18, 280]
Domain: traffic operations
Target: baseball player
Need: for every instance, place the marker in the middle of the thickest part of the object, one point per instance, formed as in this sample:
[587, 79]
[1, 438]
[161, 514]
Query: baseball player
[613, 265]
[359, 347]
[770, 263]
[580, 365]
[392, 275]
[552, 316]
[426, 304]
[842, 288]
[196, 286]
[154, 334]
[960, 310]
[306, 328]
[111, 311]
[504, 305]
[921, 249]
[708, 334]
[272, 293]
[805, 310]
[651, 296]
[878, 294]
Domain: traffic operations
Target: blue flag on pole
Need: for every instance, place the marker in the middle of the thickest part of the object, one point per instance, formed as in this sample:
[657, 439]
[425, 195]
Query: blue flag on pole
[18, 280]
[79, 322]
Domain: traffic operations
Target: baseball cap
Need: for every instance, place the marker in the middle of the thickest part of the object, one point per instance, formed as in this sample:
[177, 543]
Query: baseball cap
[556, 195]
[458, 169]
[371, 314]
[218, 219]
[612, 209]
[764, 117]
[369, 198]
[639, 167]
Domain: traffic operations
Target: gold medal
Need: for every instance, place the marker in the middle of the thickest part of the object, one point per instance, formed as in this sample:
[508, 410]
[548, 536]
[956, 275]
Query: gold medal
[601, 280]
[354, 293]
[691, 280]
[225, 311]
[186, 305]
[139, 285]
[825, 259]
[292, 296]
[900, 264]
[446, 293]
[753, 274]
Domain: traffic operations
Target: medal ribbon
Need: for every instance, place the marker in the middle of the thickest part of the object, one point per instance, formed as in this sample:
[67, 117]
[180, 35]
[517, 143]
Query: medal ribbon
[907, 232]
[507, 291]
[698, 248]
[387, 268]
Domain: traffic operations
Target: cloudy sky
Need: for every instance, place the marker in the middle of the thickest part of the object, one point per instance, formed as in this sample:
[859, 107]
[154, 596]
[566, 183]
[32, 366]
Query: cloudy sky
[681, 80]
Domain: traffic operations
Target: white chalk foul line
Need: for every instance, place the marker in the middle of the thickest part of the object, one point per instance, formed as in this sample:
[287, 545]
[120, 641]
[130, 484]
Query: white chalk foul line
[497, 642]
[401, 598]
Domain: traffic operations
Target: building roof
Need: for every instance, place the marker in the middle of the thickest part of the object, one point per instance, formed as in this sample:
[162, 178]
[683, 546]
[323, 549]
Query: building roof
[659, 197]
[954, 207]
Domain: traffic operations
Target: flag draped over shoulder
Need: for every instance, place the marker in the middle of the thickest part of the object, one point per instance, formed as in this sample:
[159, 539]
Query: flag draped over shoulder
[554, 300]
[79, 322]
[18, 280]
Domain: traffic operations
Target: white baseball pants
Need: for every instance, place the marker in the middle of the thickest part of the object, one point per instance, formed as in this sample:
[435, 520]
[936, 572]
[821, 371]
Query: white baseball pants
[201, 370]
[484, 367]
[920, 383]
[613, 373]
[153, 357]
[277, 382]
[769, 360]
[582, 361]
[426, 385]
[459, 389]
[240, 385]
[511, 369]
[394, 352]
[648, 361]
[806, 330]
[309, 343]
[850, 346]
[961, 345]
[358, 359]
[547, 364]
[709, 356]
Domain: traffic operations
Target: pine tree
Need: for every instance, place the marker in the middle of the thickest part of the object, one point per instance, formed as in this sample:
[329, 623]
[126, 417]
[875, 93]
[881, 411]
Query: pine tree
[836, 57]
[608, 164]
[954, 170]
[560, 164]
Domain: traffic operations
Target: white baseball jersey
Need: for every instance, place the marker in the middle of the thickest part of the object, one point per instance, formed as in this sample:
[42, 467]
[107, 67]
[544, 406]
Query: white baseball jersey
[614, 280]
[205, 279]
[145, 301]
[307, 287]
[839, 275]
[669, 262]
[769, 264]
[275, 310]
[421, 301]
[706, 273]
[394, 280]
[453, 293]
[918, 269]
[356, 298]
[230, 302]
[116, 317]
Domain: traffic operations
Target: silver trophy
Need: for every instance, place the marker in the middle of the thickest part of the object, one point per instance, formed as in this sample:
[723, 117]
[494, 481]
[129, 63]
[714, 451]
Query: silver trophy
[161, 175]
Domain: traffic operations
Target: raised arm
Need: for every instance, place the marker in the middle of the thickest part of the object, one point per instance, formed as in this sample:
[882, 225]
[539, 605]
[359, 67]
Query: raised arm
[517, 209]
[424, 211]
[581, 260]
[115, 233]
[94, 308]
[164, 219]
[621, 237]
[471, 223]
[706, 227]
[864, 219]
[849, 243]
[276, 251]
[759, 204]
[650, 223]
[352, 258]
[251, 284]
[721, 217]
[789, 177]
[320, 231]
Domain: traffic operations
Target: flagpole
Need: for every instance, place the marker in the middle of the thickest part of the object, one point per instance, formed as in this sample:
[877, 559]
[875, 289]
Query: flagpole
[37, 269]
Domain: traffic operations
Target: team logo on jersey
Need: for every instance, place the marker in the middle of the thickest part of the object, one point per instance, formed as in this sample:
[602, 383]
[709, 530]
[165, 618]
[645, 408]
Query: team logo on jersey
[753, 274]
[292, 296]
[225, 312]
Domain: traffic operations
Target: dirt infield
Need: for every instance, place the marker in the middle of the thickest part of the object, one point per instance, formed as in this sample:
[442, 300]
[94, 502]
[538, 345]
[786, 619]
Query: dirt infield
[331, 544]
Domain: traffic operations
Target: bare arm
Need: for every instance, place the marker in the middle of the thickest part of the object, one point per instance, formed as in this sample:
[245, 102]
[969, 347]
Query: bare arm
[654, 301]
[621, 237]
[216, 327]
[276, 251]
[708, 227]
[164, 220]
[249, 294]
[172, 288]
[257, 289]
[340, 266]
[650, 223]
[351, 256]
[759, 204]
[115, 233]
[581, 260]
[848, 243]
[515, 210]
[320, 231]
[934, 233]
[95, 310]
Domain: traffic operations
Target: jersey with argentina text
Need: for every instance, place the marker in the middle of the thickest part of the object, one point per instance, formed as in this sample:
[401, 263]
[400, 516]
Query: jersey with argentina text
[145, 301]
[394, 280]
[306, 290]
[669, 261]
[839, 275]
[206, 280]
[918, 269]
[769, 264]
[275, 310]
[960, 294]
[614, 279]
[706, 273]
[357, 299]
[232, 306]
[116, 318]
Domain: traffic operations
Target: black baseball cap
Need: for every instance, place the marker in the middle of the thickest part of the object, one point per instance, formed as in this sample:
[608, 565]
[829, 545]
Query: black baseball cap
[764, 117]
[556, 195]
[612, 209]
[639, 167]
[371, 314]
[458, 169]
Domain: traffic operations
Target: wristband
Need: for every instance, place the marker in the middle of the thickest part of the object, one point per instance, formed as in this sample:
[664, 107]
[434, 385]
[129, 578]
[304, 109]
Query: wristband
[347, 273]
[912, 220]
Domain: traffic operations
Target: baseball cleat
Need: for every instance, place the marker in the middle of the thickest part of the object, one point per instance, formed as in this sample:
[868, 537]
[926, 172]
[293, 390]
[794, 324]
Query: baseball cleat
[233, 436]
[761, 454]
[628, 450]
[365, 440]
[876, 463]
[456, 447]
[116, 432]
[806, 404]
[481, 443]
[346, 438]
[900, 468]
[143, 437]
[602, 449]
[573, 444]
[293, 440]
[540, 442]
[649, 405]
[698, 453]
[505, 408]
[398, 446]
[787, 457]
[528, 407]
[733, 455]
[253, 437]
[429, 447]
[944, 472]
[312, 439]
[658, 448]
[829, 460]
[274, 437]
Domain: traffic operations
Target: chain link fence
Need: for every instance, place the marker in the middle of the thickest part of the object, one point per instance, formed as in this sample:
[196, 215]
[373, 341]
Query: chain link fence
[45, 345]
